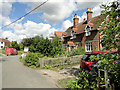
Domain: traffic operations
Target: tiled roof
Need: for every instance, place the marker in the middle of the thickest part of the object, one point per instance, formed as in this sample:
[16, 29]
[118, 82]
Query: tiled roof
[58, 33]
[81, 26]
[4, 40]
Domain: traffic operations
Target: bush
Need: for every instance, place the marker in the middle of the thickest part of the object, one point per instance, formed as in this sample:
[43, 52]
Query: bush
[31, 60]
[87, 80]
[6, 47]
[78, 51]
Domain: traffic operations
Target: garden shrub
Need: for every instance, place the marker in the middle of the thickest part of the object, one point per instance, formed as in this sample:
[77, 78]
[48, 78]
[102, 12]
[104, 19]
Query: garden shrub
[78, 51]
[86, 80]
[31, 60]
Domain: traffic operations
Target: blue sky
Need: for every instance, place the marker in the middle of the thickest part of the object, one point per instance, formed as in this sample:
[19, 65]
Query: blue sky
[52, 16]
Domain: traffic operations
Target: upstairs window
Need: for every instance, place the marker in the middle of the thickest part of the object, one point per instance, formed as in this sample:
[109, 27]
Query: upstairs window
[87, 30]
[72, 35]
[1, 42]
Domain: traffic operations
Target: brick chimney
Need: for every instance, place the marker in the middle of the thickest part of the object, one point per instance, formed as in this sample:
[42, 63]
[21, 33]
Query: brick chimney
[89, 14]
[75, 20]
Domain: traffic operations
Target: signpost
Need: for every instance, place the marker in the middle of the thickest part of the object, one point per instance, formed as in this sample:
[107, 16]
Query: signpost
[26, 49]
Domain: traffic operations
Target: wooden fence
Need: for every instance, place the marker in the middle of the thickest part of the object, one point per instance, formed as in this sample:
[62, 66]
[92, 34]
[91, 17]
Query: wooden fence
[60, 61]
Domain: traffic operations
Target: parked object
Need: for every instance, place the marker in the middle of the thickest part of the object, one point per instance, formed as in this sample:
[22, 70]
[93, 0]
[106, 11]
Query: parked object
[87, 64]
[11, 51]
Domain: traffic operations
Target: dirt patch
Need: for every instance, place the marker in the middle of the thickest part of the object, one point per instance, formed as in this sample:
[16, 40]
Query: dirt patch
[66, 73]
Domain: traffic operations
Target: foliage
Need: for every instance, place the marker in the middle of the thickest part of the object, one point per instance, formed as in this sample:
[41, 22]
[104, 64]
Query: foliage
[86, 80]
[110, 61]
[64, 82]
[111, 24]
[78, 51]
[31, 60]
[6, 47]
[110, 33]
[20, 52]
[48, 67]
[15, 45]
[26, 42]
[57, 49]
[47, 47]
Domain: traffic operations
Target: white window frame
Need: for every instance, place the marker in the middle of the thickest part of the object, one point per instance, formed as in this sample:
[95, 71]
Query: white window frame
[72, 35]
[88, 47]
[88, 33]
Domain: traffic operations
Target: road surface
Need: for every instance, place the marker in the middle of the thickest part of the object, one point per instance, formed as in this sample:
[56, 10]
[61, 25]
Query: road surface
[16, 75]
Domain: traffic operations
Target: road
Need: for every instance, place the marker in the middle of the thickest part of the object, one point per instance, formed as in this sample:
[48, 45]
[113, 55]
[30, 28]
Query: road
[16, 75]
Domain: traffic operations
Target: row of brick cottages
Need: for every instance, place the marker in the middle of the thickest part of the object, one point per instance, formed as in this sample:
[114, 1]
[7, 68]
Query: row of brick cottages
[84, 34]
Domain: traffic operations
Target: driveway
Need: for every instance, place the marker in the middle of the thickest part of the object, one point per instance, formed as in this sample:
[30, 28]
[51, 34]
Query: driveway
[16, 75]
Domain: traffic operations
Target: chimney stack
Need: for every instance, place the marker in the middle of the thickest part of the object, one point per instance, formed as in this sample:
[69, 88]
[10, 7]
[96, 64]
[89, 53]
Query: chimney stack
[75, 20]
[89, 14]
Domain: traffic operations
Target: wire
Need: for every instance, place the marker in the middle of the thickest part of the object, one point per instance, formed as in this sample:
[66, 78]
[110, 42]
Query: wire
[25, 14]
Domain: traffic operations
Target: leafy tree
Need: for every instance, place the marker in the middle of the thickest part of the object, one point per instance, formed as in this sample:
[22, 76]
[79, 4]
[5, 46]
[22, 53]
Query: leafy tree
[57, 47]
[15, 45]
[26, 42]
[110, 32]
[110, 25]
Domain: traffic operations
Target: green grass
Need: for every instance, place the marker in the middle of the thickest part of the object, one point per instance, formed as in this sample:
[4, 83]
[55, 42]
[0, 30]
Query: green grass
[0, 55]
[60, 67]
[64, 82]
[2, 51]
[20, 52]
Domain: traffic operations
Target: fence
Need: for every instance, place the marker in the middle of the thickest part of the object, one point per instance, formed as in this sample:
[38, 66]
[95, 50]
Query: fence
[60, 61]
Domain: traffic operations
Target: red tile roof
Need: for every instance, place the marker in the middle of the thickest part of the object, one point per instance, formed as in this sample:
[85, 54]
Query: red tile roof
[58, 33]
[4, 40]
[80, 28]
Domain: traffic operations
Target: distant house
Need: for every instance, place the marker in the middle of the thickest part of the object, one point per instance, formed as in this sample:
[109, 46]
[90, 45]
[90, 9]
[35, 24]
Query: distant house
[4, 42]
[57, 34]
[84, 34]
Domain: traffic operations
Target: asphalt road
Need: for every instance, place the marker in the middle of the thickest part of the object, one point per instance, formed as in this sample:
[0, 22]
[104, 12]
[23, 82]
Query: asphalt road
[16, 75]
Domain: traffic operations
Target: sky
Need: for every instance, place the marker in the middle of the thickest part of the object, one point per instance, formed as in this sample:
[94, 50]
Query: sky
[55, 15]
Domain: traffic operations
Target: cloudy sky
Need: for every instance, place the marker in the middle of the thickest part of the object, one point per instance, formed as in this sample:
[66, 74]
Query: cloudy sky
[55, 15]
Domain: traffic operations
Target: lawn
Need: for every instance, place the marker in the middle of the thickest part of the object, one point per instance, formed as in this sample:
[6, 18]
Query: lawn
[64, 82]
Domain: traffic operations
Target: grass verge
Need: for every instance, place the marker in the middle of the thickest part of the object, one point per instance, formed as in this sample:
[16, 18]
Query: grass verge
[64, 82]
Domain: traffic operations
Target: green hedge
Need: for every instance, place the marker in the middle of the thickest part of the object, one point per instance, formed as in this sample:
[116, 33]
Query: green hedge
[31, 60]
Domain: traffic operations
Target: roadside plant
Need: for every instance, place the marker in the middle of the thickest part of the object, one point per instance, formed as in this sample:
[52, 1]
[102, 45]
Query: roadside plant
[78, 51]
[31, 60]
[48, 67]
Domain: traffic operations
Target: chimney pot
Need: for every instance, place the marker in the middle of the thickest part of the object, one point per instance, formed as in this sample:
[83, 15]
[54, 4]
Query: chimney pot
[75, 20]
[89, 14]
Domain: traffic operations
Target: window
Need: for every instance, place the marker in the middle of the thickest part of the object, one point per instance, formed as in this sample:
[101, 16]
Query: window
[87, 30]
[1, 46]
[72, 35]
[1, 42]
[89, 47]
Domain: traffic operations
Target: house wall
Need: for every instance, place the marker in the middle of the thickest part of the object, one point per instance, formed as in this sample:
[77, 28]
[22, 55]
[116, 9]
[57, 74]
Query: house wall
[2, 44]
[82, 39]
[94, 38]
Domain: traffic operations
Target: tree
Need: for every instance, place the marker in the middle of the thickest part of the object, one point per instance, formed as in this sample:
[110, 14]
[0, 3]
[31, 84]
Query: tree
[110, 32]
[57, 47]
[111, 25]
[15, 45]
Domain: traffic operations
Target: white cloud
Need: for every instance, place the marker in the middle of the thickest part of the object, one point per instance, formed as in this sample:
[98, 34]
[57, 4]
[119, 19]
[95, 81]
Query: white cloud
[28, 29]
[66, 24]
[55, 11]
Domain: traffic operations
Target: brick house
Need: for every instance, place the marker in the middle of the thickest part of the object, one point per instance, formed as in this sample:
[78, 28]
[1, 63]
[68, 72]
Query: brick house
[84, 34]
[4, 42]
[57, 34]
